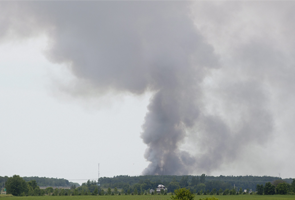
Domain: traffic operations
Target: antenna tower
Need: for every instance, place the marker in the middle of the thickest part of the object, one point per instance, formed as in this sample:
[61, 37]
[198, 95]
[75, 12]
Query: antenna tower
[98, 174]
[163, 173]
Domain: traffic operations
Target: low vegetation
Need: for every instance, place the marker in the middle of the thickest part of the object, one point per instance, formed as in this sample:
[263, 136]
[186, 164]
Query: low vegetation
[182, 194]
[148, 197]
[43, 181]
[194, 183]
[17, 186]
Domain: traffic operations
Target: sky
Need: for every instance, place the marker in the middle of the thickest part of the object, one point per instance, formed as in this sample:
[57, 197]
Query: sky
[152, 87]
[43, 134]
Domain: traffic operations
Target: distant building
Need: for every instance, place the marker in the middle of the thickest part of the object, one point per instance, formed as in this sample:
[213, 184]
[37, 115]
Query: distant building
[3, 191]
[161, 187]
[250, 191]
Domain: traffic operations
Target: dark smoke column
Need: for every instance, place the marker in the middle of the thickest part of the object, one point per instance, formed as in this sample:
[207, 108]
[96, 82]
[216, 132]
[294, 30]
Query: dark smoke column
[154, 46]
[129, 47]
[175, 107]
[170, 113]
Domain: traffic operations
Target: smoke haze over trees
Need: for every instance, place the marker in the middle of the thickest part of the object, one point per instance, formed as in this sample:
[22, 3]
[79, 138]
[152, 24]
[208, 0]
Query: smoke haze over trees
[221, 79]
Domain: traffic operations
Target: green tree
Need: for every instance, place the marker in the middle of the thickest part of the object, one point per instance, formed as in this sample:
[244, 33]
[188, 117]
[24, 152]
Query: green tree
[173, 186]
[33, 188]
[55, 192]
[37, 191]
[183, 194]
[240, 191]
[116, 190]
[41, 192]
[292, 187]
[269, 189]
[195, 181]
[140, 192]
[201, 186]
[277, 182]
[62, 192]
[30, 191]
[135, 191]
[233, 191]
[259, 189]
[109, 191]
[220, 191]
[88, 183]
[16, 185]
[226, 192]
[184, 181]
[282, 188]
[95, 191]
[203, 178]
[49, 190]
[33, 184]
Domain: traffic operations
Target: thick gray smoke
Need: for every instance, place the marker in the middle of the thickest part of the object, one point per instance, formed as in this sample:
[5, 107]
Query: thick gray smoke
[210, 89]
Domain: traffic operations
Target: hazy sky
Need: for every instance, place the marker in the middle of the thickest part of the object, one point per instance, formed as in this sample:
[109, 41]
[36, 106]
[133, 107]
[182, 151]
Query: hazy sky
[147, 87]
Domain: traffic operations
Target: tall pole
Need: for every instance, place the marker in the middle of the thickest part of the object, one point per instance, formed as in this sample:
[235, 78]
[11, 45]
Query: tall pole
[98, 175]
[163, 171]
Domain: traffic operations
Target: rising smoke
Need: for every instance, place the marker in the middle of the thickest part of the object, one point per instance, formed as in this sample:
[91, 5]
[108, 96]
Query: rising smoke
[207, 85]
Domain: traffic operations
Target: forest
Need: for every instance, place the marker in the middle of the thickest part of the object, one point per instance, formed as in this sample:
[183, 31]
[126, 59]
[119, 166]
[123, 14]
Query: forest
[195, 183]
[43, 181]
[198, 185]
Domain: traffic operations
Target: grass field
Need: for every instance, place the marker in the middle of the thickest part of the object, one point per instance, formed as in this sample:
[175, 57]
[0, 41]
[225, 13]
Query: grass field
[156, 197]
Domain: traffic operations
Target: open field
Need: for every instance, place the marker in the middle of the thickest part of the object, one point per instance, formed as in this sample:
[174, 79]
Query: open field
[156, 197]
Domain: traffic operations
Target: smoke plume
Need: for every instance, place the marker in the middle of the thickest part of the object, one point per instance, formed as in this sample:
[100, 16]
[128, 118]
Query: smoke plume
[211, 75]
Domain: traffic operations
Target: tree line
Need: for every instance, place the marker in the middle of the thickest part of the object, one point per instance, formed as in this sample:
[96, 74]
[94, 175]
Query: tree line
[198, 185]
[277, 187]
[194, 183]
[43, 181]
[18, 186]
